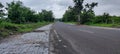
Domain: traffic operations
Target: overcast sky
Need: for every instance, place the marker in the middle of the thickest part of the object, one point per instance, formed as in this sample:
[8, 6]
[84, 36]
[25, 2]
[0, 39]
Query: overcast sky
[59, 6]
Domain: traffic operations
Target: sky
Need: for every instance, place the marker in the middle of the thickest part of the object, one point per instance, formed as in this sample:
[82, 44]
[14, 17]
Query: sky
[60, 6]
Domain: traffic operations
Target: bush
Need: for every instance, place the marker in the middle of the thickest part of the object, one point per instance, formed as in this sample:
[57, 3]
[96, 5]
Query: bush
[9, 26]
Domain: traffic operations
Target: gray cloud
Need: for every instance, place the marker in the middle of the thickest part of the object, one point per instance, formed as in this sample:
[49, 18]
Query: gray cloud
[59, 6]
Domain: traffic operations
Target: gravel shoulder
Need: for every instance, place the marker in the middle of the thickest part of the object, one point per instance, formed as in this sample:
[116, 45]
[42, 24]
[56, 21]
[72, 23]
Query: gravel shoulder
[36, 42]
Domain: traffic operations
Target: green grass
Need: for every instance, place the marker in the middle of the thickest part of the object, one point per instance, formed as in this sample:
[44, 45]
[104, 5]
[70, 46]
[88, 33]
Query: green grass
[7, 28]
[98, 24]
[106, 25]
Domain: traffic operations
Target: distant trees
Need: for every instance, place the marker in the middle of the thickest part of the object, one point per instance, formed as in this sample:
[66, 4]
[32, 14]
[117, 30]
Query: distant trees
[107, 19]
[70, 15]
[80, 13]
[1, 10]
[78, 8]
[115, 19]
[86, 15]
[18, 13]
[47, 15]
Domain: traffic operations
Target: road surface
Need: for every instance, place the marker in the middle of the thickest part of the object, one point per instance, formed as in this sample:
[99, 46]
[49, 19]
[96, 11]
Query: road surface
[83, 39]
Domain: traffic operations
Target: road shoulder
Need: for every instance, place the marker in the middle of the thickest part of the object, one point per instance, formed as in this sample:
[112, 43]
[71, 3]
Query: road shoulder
[36, 42]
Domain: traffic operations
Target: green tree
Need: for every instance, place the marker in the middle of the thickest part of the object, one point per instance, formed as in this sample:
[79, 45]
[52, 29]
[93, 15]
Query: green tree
[1, 10]
[47, 15]
[69, 15]
[106, 18]
[40, 17]
[14, 11]
[115, 19]
[18, 13]
[88, 14]
[78, 8]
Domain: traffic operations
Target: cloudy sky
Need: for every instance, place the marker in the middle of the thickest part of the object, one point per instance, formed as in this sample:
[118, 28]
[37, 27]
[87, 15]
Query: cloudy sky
[59, 6]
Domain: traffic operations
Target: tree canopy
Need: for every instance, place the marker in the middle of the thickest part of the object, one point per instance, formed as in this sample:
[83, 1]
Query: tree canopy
[1, 10]
[18, 13]
[85, 14]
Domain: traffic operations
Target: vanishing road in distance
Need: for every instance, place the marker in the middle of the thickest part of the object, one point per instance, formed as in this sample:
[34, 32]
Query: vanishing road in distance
[87, 39]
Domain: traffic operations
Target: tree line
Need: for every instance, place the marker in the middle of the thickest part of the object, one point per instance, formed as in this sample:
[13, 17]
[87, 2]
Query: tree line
[18, 13]
[84, 14]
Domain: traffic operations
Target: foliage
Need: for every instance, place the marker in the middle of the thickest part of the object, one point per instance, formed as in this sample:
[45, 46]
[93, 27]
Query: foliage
[1, 10]
[78, 7]
[69, 15]
[7, 28]
[79, 12]
[18, 13]
[85, 15]
[106, 25]
[22, 19]
[47, 16]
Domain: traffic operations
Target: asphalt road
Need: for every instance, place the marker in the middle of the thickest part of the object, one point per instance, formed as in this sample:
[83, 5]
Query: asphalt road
[89, 40]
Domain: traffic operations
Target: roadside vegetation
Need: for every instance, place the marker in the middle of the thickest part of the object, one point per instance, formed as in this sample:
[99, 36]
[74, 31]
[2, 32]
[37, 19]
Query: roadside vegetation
[106, 25]
[7, 28]
[84, 14]
[20, 18]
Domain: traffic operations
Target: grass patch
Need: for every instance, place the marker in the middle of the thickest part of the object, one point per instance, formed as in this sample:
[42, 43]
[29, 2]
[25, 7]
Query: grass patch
[106, 25]
[98, 24]
[7, 28]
